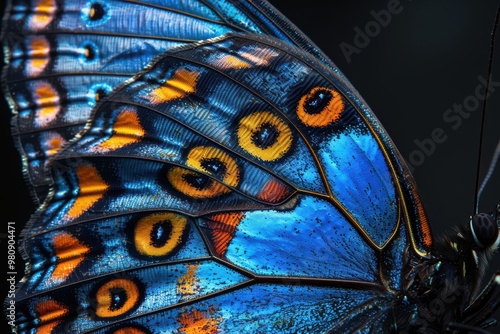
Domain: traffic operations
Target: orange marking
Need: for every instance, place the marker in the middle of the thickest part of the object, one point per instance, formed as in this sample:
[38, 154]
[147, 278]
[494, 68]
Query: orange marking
[105, 300]
[40, 49]
[177, 178]
[223, 227]
[230, 61]
[70, 252]
[273, 192]
[187, 283]
[129, 330]
[47, 100]
[259, 56]
[247, 59]
[198, 322]
[43, 14]
[50, 314]
[425, 228]
[92, 188]
[198, 154]
[127, 130]
[182, 83]
[144, 227]
[47, 328]
[54, 144]
[329, 114]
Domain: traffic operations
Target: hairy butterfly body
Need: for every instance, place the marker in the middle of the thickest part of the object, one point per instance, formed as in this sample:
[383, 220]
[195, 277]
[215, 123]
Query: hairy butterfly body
[221, 189]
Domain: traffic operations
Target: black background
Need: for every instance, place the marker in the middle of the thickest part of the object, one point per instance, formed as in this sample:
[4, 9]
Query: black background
[425, 60]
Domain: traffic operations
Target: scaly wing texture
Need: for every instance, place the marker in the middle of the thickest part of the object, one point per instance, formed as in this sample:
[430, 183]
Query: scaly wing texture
[236, 184]
[203, 197]
[65, 56]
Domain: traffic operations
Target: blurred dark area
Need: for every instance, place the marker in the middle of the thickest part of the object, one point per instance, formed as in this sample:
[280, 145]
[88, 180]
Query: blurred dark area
[414, 68]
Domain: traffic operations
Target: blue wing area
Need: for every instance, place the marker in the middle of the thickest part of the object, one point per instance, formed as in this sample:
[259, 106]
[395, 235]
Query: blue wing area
[64, 56]
[261, 308]
[238, 184]
[185, 176]
[296, 243]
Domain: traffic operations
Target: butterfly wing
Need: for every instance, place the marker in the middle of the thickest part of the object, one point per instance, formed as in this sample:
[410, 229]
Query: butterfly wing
[217, 171]
[201, 193]
[65, 56]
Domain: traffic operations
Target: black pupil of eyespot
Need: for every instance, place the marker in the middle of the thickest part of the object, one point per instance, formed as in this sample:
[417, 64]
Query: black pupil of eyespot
[97, 11]
[89, 53]
[197, 181]
[100, 93]
[118, 298]
[265, 136]
[315, 103]
[214, 166]
[160, 233]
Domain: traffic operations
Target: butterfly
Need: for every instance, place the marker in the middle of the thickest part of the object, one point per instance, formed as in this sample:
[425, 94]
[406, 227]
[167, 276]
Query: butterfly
[234, 54]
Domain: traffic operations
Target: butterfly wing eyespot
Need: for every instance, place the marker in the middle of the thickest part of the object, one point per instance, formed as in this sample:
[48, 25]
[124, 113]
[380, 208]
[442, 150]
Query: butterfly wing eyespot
[117, 297]
[159, 234]
[319, 107]
[264, 136]
[315, 210]
[214, 162]
[208, 160]
[89, 53]
[95, 13]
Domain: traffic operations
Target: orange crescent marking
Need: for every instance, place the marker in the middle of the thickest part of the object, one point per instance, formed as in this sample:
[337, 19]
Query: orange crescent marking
[50, 313]
[92, 188]
[182, 83]
[70, 252]
[127, 130]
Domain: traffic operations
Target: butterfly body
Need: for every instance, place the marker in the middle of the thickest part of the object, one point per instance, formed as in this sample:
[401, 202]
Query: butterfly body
[220, 189]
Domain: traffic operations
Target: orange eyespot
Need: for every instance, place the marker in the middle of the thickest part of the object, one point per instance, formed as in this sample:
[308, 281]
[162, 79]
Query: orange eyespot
[159, 234]
[116, 298]
[320, 107]
[264, 135]
[208, 160]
